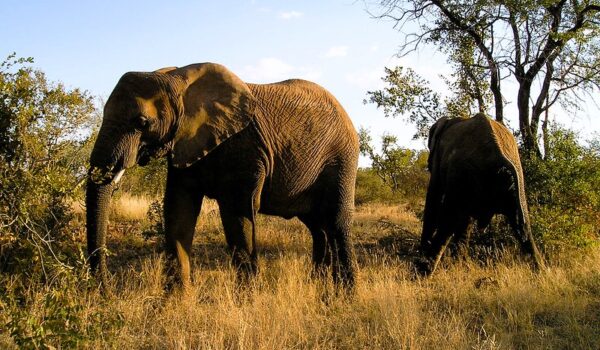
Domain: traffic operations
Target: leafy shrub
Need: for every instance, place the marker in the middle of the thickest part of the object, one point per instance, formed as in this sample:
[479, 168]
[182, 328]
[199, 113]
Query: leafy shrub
[44, 137]
[45, 140]
[155, 220]
[563, 193]
[403, 171]
[149, 180]
[371, 188]
[52, 315]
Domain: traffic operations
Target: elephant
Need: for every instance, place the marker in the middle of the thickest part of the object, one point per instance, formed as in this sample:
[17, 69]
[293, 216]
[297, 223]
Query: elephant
[286, 149]
[475, 173]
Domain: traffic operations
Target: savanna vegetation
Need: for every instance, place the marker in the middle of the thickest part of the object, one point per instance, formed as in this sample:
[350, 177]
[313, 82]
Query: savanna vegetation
[488, 300]
[548, 49]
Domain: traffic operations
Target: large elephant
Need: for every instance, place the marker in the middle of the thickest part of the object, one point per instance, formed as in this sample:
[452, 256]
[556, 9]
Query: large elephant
[287, 149]
[475, 173]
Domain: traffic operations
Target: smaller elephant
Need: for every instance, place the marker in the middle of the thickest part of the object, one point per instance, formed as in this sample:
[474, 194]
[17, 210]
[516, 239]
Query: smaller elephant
[475, 173]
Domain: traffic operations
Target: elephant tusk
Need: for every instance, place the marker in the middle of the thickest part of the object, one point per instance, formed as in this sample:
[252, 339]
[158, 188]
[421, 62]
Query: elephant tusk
[117, 177]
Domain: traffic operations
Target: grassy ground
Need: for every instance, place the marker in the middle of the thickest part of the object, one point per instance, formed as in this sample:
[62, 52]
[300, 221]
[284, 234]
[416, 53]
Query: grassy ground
[495, 303]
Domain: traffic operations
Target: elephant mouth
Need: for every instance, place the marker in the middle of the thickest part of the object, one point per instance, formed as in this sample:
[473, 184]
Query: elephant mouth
[144, 156]
[104, 176]
[149, 152]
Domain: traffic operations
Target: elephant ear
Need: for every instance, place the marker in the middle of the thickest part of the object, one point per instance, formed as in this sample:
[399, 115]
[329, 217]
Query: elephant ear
[216, 104]
[434, 135]
[165, 70]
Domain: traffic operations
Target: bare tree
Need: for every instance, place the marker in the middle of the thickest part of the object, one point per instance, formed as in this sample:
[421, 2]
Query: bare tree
[549, 47]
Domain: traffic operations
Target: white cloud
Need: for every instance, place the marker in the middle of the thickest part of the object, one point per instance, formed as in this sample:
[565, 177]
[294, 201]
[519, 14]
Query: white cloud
[337, 51]
[365, 79]
[271, 69]
[290, 15]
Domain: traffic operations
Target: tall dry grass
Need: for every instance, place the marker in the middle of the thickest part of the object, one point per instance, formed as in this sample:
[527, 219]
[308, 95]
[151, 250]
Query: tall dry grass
[498, 304]
[128, 207]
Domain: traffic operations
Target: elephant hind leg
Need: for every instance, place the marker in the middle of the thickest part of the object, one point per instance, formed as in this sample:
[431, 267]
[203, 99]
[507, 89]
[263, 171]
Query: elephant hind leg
[321, 253]
[462, 238]
[335, 212]
[438, 246]
[337, 231]
[430, 215]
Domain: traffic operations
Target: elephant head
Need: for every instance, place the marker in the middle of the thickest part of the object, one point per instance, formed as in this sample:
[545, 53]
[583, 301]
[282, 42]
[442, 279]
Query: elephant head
[181, 112]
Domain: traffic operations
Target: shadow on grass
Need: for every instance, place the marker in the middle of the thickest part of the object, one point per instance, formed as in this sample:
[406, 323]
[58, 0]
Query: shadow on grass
[374, 240]
[383, 238]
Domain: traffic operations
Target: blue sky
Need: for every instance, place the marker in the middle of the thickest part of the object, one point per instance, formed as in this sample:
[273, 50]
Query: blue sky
[335, 43]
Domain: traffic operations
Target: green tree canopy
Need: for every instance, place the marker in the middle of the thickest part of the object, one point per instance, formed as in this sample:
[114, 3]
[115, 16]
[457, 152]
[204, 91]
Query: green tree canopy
[403, 170]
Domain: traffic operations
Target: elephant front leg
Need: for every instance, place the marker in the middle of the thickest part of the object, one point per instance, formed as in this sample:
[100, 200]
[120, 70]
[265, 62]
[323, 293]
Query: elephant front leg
[452, 224]
[181, 210]
[240, 235]
[430, 216]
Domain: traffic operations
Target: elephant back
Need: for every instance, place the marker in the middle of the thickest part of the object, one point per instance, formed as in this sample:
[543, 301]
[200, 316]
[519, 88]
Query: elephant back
[306, 131]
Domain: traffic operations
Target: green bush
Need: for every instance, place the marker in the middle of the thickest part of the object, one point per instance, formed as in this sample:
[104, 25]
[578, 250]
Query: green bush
[401, 172]
[44, 145]
[46, 134]
[149, 180]
[562, 190]
[54, 314]
[371, 188]
[156, 226]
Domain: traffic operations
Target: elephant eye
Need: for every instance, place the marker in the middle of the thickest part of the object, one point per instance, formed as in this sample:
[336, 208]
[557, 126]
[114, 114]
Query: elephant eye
[142, 122]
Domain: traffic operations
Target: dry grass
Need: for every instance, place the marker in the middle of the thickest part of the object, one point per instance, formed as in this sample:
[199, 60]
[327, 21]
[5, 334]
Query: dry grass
[129, 208]
[501, 304]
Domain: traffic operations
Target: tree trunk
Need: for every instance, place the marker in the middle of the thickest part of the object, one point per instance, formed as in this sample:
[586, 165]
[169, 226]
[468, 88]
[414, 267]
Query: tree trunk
[527, 131]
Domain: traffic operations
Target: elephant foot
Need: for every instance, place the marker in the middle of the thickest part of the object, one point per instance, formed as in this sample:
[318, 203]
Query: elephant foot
[320, 272]
[538, 265]
[422, 267]
[102, 277]
[175, 285]
[343, 280]
[246, 270]
[245, 276]
[331, 292]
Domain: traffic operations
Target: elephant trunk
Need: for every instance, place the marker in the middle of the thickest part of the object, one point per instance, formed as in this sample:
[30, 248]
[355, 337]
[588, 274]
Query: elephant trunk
[97, 202]
[107, 165]
[529, 244]
[523, 221]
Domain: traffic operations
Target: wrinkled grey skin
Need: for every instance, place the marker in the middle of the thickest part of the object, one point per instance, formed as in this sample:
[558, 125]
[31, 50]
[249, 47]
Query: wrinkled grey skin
[286, 149]
[475, 173]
